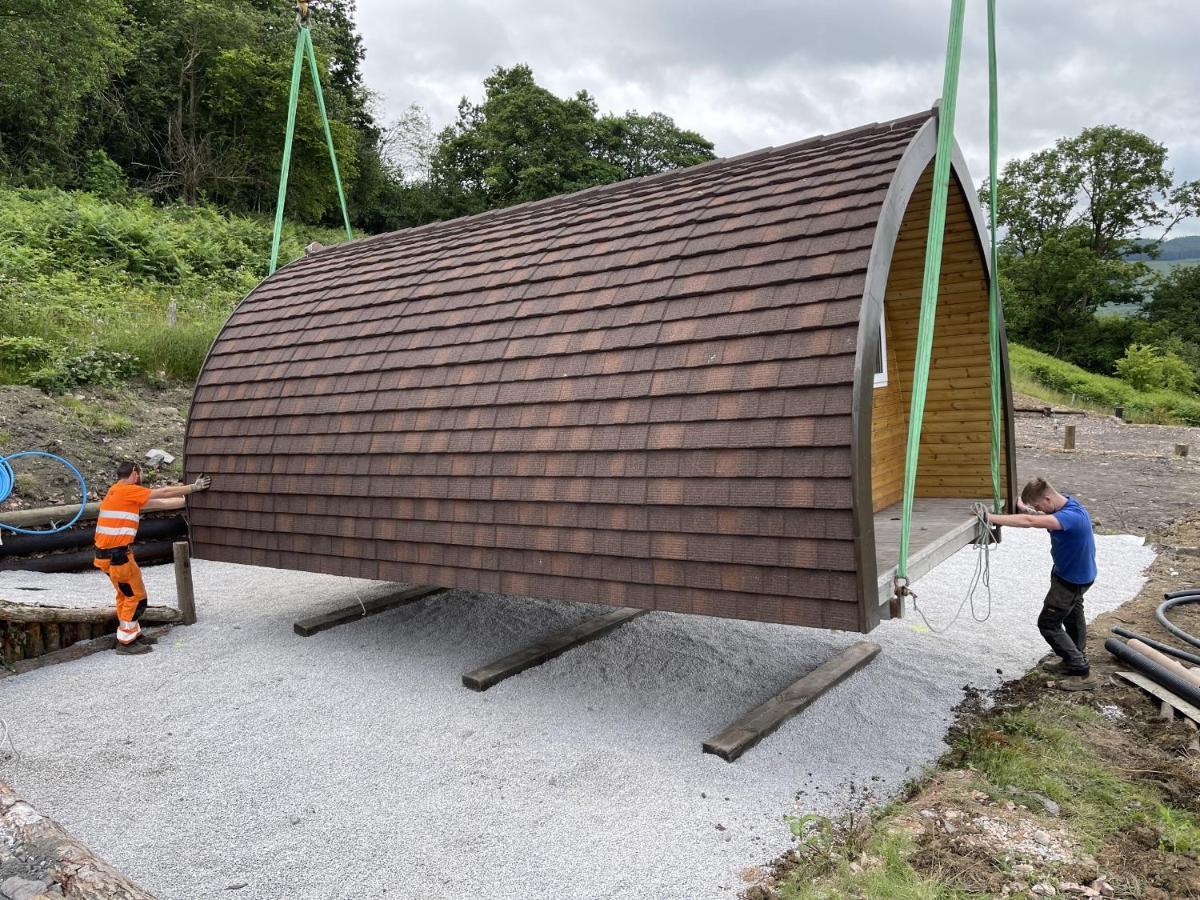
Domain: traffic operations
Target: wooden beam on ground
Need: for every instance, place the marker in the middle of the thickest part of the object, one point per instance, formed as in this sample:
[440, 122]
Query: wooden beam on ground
[78, 650]
[62, 861]
[309, 627]
[763, 720]
[1159, 692]
[515, 663]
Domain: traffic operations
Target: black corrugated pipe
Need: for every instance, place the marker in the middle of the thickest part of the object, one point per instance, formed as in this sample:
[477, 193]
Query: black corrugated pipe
[158, 528]
[1158, 645]
[1171, 600]
[81, 560]
[1160, 674]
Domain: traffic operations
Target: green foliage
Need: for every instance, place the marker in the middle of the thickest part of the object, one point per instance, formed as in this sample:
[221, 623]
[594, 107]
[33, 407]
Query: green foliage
[1148, 368]
[21, 353]
[646, 145]
[523, 143]
[1072, 215]
[1156, 405]
[104, 178]
[56, 61]
[87, 284]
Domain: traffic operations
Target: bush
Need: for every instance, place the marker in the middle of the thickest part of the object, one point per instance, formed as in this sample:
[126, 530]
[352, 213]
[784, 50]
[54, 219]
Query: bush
[1147, 368]
[19, 354]
[78, 270]
[101, 367]
[1156, 405]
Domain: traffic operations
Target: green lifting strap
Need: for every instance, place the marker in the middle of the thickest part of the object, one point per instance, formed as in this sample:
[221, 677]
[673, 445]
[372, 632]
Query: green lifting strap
[994, 280]
[303, 45]
[933, 272]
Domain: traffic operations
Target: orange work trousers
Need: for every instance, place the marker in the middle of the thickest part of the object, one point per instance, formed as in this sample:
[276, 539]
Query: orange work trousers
[126, 579]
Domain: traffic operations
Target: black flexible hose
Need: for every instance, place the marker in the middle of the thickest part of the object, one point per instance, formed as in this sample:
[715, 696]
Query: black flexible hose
[1184, 592]
[1160, 674]
[1178, 598]
[1158, 645]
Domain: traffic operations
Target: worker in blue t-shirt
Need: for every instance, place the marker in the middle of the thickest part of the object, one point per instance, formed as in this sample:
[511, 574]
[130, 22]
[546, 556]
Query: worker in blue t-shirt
[1073, 549]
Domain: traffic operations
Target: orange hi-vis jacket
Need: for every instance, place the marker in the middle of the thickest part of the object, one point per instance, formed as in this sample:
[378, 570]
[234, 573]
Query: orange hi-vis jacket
[120, 513]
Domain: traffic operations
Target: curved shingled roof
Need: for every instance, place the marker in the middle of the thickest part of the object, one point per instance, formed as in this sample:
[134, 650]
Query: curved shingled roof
[640, 394]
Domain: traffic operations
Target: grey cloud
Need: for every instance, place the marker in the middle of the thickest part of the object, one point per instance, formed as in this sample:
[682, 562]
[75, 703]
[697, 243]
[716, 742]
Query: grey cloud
[768, 72]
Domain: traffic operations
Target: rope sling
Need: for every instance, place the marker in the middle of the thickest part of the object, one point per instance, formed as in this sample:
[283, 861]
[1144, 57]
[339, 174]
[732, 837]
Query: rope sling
[932, 275]
[304, 46]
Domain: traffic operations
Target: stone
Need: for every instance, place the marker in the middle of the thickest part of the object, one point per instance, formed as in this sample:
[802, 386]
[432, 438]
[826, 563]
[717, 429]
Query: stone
[1104, 888]
[1049, 805]
[1044, 890]
[17, 888]
[1024, 869]
[1042, 838]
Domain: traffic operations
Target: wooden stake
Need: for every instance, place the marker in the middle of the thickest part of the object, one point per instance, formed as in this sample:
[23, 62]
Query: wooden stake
[1181, 449]
[1069, 437]
[184, 592]
[762, 720]
[492, 674]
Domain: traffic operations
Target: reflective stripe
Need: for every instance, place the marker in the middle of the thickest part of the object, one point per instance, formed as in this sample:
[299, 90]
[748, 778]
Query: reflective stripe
[117, 514]
[127, 632]
[104, 529]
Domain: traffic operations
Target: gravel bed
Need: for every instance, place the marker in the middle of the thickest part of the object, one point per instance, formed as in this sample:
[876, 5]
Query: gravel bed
[353, 763]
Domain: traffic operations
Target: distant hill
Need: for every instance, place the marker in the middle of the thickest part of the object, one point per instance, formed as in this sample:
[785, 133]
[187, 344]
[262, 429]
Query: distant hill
[1174, 249]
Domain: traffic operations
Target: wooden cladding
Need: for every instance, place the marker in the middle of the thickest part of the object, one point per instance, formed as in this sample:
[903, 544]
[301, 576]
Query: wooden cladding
[955, 459]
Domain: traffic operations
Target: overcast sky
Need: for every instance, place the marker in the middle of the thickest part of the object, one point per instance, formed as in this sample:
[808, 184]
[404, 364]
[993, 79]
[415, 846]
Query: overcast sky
[757, 73]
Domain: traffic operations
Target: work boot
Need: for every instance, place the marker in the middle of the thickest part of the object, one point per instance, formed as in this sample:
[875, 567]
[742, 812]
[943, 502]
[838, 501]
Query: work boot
[1076, 680]
[144, 638]
[1052, 663]
[133, 648]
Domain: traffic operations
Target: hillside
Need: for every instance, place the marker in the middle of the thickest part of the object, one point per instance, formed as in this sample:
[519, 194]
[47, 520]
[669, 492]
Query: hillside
[99, 290]
[1172, 250]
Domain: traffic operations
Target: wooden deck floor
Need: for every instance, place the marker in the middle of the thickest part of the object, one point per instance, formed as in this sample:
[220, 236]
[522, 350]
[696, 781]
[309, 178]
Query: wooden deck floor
[940, 527]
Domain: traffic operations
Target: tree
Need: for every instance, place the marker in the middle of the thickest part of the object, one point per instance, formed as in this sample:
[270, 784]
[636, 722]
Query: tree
[56, 60]
[646, 145]
[1071, 213]
[522, 143]
[1111, 181]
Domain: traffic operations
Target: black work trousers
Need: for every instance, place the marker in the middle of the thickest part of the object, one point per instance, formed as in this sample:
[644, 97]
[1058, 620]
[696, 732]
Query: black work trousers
[1062, 623]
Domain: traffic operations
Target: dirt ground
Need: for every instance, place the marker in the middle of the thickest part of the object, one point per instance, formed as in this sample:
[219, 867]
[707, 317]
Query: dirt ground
[1126, 475]
[94, 429]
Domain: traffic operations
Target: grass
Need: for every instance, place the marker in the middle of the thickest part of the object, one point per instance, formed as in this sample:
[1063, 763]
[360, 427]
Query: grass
[1048, 748]
[1037, 373]
[91, 414]
[82, 274]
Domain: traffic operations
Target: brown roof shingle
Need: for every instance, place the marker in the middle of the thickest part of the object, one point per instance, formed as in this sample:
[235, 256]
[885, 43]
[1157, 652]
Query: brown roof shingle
[639, 394]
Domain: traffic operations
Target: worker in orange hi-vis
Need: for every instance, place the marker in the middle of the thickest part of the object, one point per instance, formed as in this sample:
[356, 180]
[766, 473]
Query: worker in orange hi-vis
[116, 527]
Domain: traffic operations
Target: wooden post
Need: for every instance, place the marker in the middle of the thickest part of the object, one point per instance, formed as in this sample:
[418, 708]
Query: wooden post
[1181, 449]
[1069, 437]
[1119, 412]
[183, 583]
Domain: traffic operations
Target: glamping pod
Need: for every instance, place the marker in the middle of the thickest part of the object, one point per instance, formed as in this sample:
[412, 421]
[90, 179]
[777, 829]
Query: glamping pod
[687, 392]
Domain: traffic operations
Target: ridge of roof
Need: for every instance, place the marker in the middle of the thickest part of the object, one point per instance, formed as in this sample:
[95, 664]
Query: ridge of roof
[617, 187]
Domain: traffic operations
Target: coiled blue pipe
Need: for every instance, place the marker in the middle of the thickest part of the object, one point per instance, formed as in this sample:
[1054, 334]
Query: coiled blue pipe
[8, 479]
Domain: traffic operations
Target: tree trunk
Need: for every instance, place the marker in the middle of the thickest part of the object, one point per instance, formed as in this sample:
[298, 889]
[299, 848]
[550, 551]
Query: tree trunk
[61, 859]
[94, 615]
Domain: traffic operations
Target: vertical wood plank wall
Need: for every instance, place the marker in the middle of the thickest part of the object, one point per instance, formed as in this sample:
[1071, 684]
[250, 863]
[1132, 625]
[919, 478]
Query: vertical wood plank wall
[956, 433]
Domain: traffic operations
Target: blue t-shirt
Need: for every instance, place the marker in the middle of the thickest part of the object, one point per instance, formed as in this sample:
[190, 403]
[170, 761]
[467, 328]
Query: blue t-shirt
[1073, 548]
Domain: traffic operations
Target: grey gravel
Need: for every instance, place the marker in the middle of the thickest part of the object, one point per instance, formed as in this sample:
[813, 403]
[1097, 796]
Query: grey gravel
[187, 768]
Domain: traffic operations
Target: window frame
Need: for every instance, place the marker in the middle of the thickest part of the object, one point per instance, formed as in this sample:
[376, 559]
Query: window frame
[881, 377]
